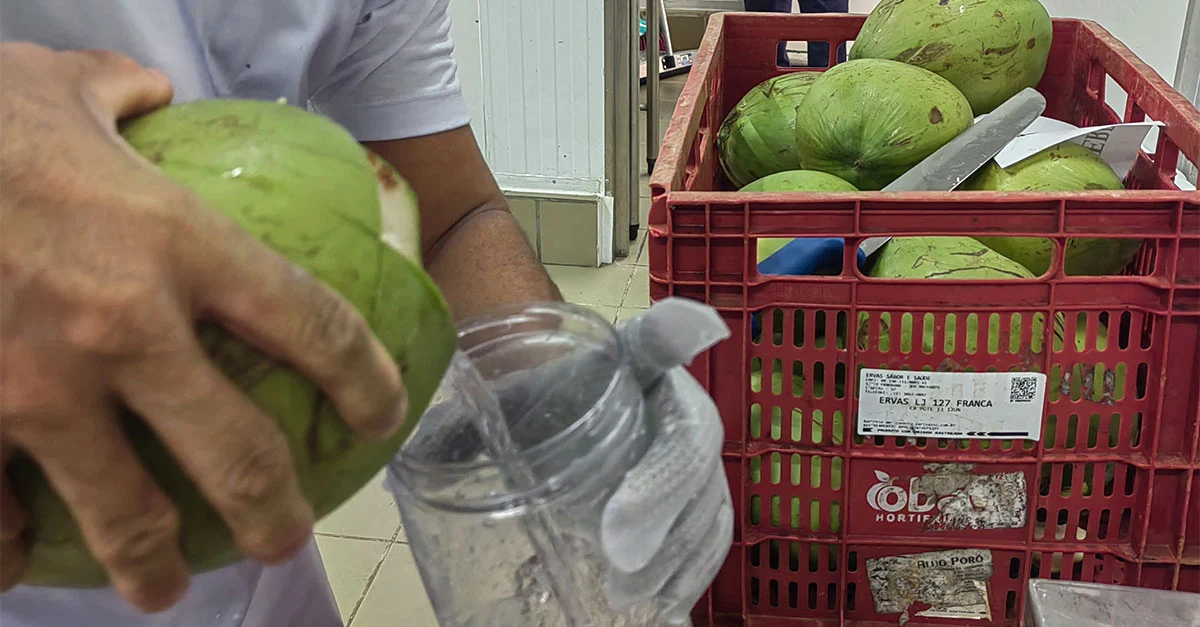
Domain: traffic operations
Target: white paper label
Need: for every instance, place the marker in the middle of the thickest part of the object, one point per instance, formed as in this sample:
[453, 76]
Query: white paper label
[1000, 405]
[1117, 144]
[953, 584]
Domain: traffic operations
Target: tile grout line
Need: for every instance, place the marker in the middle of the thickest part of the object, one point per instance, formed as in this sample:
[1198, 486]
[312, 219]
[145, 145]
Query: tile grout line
[632, 271]
[625, 292]
[374, 574]
[350, 536]
[629, 283]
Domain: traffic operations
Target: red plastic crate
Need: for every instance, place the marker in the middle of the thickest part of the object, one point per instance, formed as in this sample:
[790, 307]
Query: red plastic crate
[1127, 406]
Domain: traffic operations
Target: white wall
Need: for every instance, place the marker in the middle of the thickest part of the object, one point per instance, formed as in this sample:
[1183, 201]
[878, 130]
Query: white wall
[533, 74]
[543, 94]
[1153, 29]
[464, 30]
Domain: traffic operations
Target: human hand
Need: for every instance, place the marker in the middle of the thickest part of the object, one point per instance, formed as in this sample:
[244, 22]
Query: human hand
[106, 266]
[669, 527]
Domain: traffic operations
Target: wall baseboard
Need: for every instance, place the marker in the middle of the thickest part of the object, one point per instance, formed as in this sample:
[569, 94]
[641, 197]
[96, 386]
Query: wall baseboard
[564, 226]
[536, 185]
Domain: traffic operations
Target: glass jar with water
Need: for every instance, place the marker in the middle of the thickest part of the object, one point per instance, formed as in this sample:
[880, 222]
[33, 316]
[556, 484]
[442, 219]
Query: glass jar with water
[502, 493]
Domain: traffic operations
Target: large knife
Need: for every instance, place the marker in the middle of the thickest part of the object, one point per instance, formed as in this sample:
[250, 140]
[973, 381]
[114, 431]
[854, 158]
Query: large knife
[956, 161]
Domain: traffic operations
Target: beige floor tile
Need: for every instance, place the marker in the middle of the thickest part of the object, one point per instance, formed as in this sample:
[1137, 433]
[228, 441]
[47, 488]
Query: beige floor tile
[628, 313]
[638, 296]
[605, 311]
[592, 286]
[635, 250]
[396, 597]
[371, 514]
[349, 564]
[643, 212]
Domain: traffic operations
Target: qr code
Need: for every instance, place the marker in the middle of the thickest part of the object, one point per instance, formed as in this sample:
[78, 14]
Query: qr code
[1023, 390]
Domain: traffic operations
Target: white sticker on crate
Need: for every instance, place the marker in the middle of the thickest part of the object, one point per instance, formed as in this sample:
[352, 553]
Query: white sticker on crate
[988, 405]
[952, 584]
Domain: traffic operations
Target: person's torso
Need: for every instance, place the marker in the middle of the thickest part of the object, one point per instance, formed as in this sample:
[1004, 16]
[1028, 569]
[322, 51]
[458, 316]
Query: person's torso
[210, 48]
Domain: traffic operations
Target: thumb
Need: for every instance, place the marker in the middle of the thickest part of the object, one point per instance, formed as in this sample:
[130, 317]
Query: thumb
[121, 87]
[670, 334]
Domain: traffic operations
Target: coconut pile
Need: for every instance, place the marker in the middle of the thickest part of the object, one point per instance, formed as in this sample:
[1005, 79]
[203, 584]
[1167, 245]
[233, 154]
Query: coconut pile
[918, 75]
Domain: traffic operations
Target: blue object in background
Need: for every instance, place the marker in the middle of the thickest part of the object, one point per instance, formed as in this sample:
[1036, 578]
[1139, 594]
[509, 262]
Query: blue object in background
[818, 52]
[805, 256]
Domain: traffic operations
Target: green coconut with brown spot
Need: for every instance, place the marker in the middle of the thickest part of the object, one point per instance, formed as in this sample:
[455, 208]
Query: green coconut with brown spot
[933, 259]
[940, 258]
[793, 181]
[1065, 167]
[989, 49]
[758, 136]
[304, 186]
[869, 121]
[943, 258]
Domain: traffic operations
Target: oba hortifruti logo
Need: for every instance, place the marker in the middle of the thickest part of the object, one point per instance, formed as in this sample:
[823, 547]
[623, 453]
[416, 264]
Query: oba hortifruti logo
[949, 497]
[904, 502]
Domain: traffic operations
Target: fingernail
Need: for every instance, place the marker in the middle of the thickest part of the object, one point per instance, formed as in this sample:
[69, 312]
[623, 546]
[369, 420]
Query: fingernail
[285, 546]
[399, 414]
[387, 425]
[156, 593]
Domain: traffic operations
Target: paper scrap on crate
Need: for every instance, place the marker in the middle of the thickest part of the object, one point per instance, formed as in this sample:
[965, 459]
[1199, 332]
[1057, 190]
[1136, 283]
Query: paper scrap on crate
[938, 584]
[1117, 144]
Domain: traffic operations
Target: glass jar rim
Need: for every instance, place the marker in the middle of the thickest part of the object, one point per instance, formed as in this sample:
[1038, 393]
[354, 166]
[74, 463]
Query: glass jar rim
[499, 320]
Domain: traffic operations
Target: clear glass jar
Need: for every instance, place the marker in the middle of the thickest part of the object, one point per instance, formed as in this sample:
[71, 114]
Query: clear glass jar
[502, 499]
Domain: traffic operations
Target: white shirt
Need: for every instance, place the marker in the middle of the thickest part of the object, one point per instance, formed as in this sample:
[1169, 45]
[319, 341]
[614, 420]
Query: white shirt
[382, 68]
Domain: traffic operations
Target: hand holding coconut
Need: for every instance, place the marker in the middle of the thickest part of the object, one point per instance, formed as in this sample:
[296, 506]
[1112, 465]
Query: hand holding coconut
[107, 268]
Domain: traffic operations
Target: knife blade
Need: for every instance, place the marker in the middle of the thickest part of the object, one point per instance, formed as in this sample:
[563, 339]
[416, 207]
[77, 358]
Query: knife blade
[962, 156]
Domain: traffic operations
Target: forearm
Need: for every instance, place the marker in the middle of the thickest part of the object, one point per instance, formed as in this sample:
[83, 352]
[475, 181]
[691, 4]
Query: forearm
[484, 262]
[474, 248]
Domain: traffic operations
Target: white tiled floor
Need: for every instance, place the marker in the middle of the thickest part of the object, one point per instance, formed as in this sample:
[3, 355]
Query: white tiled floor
[363, 544]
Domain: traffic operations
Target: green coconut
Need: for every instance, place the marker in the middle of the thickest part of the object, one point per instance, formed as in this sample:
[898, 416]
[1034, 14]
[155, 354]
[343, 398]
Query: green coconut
[799, 181]
[871, 120]
[758, 136]
[942, 258]
[1065, 167]
[989, 49]
[949, 258]
[304, 186]
[827, 429]
[793, 181]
